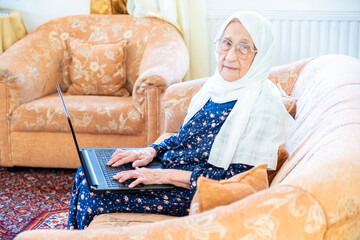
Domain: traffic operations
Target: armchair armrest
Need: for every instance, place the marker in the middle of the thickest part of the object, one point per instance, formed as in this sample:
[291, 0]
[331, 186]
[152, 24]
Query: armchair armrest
[27, 67]
[165, 62]
[176, 102]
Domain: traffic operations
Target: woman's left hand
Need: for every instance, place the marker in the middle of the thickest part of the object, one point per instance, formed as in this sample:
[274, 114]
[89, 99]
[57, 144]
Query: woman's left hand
[144, 175]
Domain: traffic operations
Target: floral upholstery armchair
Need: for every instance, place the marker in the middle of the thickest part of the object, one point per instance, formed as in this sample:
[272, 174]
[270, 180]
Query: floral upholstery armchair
[149, 55]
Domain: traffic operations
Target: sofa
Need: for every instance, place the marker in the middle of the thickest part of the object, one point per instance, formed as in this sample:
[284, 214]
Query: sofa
[113, 71]
[314, 195]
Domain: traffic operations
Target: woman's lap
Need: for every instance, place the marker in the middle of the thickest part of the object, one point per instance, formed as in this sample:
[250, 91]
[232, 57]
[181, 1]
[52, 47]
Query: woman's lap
[85, 205]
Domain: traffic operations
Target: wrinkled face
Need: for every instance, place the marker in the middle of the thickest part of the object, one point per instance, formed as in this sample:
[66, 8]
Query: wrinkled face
[230, 65]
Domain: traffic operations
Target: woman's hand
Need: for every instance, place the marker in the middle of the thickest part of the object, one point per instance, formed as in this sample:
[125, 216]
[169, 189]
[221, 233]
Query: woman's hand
[138, 157]
[144, 175]
[148, 176]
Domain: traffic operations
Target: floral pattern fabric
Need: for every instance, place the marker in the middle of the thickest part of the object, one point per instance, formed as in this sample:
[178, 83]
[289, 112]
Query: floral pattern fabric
[97, 68]
[89, 114]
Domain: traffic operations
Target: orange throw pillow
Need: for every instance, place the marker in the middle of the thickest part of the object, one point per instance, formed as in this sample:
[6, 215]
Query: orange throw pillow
[97, 68]
[211, 193]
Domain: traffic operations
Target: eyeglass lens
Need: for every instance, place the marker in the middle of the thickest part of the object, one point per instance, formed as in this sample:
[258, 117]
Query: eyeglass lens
[223, 46]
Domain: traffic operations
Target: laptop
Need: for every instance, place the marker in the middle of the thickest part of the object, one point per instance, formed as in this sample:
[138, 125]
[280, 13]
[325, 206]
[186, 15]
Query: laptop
[99, 176]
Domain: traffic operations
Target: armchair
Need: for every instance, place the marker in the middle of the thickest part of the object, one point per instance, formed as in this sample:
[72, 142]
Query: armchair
[33, 127]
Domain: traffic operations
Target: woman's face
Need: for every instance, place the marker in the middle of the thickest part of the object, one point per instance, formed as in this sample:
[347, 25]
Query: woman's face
[230, 66]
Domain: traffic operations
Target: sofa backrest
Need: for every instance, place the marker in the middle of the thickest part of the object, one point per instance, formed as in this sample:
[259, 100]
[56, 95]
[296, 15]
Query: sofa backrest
[328, 103]
[325, 145]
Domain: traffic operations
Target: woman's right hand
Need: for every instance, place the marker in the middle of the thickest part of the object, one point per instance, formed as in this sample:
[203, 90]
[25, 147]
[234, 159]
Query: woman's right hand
[138, 158]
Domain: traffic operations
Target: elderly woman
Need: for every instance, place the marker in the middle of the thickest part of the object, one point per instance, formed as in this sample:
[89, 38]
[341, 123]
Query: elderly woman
[233, 123]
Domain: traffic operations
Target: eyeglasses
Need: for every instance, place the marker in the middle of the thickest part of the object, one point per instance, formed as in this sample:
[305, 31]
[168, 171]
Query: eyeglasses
[242, 50]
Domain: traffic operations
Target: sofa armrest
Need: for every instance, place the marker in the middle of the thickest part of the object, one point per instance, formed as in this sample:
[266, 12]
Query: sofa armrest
[27, 67]
[176, 102]
[165, 62]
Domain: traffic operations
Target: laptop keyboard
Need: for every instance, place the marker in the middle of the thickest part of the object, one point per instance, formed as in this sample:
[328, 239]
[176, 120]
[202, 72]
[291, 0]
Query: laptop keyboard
[104, 157]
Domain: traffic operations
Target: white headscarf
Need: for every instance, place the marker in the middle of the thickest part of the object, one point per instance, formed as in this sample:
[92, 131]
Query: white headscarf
[245, 90]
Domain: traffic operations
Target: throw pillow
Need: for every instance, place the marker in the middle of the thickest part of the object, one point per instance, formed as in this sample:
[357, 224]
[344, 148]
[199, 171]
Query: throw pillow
[97, 68]
[211, 193]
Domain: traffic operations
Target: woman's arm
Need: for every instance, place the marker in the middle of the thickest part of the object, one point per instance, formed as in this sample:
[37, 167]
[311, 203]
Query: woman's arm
[179, 178]
[148, 176]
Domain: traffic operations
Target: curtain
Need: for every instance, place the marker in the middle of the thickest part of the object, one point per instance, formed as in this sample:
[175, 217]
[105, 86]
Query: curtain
[108, 7]
[188, 16]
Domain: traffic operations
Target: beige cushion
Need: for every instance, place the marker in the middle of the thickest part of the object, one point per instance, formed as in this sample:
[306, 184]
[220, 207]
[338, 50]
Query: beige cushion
[110, 220]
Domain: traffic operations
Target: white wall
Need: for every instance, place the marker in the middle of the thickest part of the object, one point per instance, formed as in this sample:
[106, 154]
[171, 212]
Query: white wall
[37, 12]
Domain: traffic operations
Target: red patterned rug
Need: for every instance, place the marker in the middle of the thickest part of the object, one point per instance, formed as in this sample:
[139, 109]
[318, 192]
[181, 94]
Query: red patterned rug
[32, 198]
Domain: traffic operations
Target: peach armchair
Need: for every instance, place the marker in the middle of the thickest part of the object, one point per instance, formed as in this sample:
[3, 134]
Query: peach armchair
[33, 128]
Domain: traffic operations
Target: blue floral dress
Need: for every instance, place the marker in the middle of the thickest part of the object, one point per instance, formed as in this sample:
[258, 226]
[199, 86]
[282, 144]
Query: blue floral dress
[188, 150]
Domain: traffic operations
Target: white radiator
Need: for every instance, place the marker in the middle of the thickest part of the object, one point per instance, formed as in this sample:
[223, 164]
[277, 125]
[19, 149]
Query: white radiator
[301, 35]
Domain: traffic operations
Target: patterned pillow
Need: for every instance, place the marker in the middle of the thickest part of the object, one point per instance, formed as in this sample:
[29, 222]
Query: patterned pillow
[211, 193]
[97, 68]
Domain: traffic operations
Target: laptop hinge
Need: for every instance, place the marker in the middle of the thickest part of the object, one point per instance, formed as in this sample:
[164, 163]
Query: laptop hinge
[91, 173]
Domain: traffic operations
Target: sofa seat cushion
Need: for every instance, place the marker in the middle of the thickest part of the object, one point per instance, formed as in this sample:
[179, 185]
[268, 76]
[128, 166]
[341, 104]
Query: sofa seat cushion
[89, 114]
[280, 212]
[111, 220]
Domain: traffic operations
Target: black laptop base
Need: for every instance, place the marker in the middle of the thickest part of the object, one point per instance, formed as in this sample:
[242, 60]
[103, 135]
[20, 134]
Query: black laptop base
[96, 171]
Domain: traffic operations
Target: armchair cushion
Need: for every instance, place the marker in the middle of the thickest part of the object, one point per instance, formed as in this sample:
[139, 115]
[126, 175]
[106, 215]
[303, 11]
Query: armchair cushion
[89, 114]
[97, 68]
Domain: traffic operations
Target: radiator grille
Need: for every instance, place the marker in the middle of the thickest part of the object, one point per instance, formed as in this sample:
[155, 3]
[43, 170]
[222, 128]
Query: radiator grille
[301, 35]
